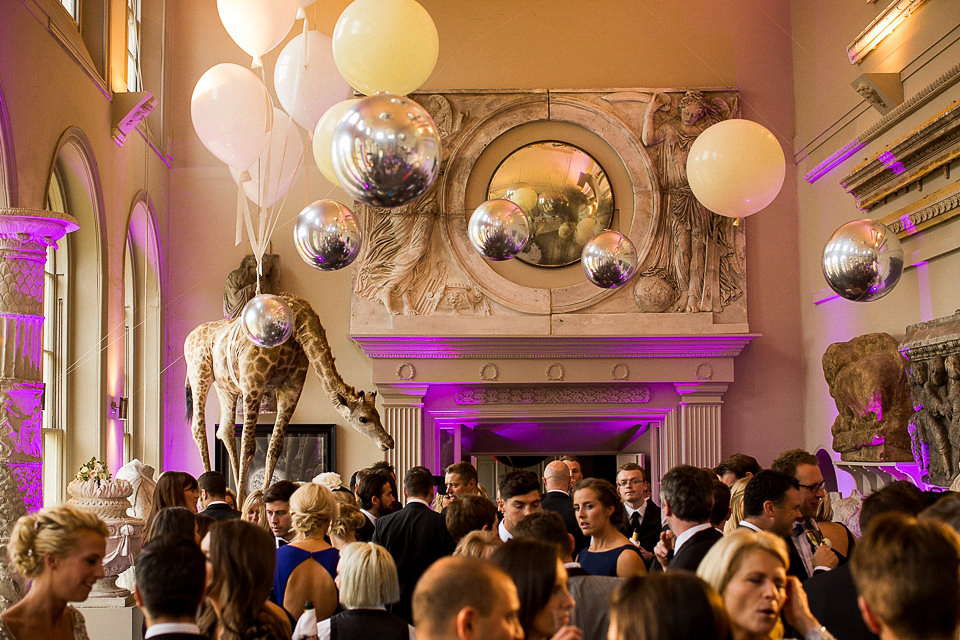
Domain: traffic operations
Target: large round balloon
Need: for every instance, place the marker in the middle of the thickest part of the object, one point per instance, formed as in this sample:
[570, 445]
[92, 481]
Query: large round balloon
[267, 320]
[278, 167]
[385, 45]
[609, 259]
[323, 138]
[386, 151]
[327, 235]
[735, 168]
[232, 114]
[257, 26]
[498, 229]
[863, 260]
[306, 80]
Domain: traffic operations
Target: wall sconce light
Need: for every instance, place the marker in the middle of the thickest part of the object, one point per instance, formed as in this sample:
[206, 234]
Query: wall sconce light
[118, 408]
[882, 26]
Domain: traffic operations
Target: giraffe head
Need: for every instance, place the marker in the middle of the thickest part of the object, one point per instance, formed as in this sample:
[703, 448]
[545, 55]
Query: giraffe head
[360, 411]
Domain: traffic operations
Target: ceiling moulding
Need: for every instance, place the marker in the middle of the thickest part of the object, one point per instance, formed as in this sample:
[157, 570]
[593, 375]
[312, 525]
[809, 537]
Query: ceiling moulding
[931, 210]
[883, 25]
[931, 145]
[884, 124]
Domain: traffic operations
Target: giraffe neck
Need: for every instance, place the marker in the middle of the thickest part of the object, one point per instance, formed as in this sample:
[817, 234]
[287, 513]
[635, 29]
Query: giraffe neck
[309, 333]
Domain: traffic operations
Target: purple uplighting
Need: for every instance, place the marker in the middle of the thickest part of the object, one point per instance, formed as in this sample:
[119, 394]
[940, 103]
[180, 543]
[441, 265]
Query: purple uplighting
[890, 162]
[833, 160]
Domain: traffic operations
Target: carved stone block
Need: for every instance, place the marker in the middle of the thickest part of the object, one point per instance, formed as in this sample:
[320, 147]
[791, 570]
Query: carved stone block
[868, 382]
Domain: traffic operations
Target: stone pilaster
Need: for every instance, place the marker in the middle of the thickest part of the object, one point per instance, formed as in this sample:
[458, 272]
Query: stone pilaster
[25, 235]
[699, 422]
[403, 419]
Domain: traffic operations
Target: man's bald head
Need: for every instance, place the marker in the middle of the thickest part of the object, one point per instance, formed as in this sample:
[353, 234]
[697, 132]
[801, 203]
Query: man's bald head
[556, 475]
[461, 597]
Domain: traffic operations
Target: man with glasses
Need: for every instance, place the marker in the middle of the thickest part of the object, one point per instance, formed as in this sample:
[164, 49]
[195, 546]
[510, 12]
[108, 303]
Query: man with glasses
[809, 551]
[641, 521]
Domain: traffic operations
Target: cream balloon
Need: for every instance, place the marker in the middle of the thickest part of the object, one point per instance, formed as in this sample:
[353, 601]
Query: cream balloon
[323, 138]
[735, 168]
[385, 45]
[257, 26]
[306, 79]
[232, 114]
[279, 166]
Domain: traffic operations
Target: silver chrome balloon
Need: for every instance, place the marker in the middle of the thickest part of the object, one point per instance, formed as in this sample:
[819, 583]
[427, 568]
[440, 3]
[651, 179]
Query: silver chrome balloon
[386, 151]
[498, 229]
[267, 320]
[863, 260]
[327, 235]
[609, 259]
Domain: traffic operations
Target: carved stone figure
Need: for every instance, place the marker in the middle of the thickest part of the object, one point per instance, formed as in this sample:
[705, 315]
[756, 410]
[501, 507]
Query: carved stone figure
[241, 283]
[219, 353]
[694, 250]
[868, 381]
[140, 477]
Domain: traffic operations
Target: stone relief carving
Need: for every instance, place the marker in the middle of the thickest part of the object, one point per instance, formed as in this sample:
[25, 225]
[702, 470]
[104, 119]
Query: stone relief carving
[581, 394]
[934, 352]
[868, 381]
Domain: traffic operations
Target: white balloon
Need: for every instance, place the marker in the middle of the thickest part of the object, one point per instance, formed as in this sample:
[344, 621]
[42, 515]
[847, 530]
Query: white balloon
[323, 138]
[232, 114]
[257, 26]
[306, 79]
[279, 166]
[735, 168]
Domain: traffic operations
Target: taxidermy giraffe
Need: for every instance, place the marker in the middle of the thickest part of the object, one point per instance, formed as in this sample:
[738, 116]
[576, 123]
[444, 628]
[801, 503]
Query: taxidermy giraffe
[220, 353]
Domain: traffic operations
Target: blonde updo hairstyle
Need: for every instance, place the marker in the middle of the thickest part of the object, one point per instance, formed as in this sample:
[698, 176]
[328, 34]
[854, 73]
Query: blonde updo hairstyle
[312, 507]
[347, 521]
[52, 530]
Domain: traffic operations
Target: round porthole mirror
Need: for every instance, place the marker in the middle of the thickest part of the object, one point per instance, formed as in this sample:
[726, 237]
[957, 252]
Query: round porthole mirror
[565, 193]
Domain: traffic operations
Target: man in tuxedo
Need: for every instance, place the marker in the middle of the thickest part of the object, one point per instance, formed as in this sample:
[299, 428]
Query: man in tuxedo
[170, 577]
[737, 466]
[519, 493]
[641, 522]
[416, 536]
[771, 502]
[576, 474]
[591, 594]
[808, 554]
[556, 497]
[213, 496]
[461, 479]
[376, 498]
[462, 598]
[687, 496]
[276, 503]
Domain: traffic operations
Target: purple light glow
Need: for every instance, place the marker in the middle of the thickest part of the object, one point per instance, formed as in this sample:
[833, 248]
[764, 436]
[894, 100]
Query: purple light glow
[908, 226]
[890, 162]
[834, 159]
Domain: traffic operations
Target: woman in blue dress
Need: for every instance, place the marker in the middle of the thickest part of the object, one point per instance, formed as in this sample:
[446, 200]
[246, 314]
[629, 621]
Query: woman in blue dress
[307, 567]
[599, 511]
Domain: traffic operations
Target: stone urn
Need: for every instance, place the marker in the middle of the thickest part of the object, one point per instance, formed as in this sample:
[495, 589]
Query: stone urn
[107, 499]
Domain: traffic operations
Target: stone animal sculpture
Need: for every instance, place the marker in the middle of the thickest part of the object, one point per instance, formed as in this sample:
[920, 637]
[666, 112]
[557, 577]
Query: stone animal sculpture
[219, 353]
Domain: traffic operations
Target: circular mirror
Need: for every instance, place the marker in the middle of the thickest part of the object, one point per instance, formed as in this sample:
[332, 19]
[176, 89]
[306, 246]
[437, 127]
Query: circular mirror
[564, 192]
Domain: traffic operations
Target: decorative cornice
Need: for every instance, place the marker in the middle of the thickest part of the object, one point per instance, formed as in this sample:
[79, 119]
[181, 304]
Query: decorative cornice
[931, 145]
[938, 337]
[552, 347]
[925, 95]
[936, 208]
[553, 394]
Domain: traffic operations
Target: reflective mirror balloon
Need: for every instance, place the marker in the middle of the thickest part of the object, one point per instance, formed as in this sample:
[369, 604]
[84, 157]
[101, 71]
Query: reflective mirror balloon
[386, 151]
[863, 260]
[267, 320]
[498, 229]
[609, 259]
[327, 235]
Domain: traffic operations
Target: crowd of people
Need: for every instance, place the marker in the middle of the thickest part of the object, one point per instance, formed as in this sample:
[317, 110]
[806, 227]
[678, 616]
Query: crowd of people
[736, 552]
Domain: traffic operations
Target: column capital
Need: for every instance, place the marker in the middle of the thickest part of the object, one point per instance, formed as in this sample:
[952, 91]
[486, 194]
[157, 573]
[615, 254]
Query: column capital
[35, 226]
[701, 392]
[402, 394]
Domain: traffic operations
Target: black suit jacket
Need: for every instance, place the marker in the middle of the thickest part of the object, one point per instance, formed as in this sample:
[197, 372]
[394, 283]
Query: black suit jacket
[833, 601]
[693, 550]
[365, 533]
[416, 536]
[648, 533]
[221, 511]
[562, 503]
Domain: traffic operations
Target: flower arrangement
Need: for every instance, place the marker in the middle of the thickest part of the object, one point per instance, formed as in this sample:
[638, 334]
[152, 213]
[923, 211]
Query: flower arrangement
[94, 470]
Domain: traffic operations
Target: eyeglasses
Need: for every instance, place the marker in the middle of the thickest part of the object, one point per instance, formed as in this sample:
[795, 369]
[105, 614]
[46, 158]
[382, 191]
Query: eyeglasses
[627, 483]
[813, 487]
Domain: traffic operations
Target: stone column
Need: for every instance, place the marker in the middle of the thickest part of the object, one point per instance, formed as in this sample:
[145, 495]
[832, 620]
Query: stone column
[699, 425]
[25, 235]
[403, 419]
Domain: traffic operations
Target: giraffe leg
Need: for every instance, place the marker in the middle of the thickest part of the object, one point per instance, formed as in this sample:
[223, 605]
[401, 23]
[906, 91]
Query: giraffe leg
[199, 378]
[288, 395]
[248, 442]
[226, 433]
